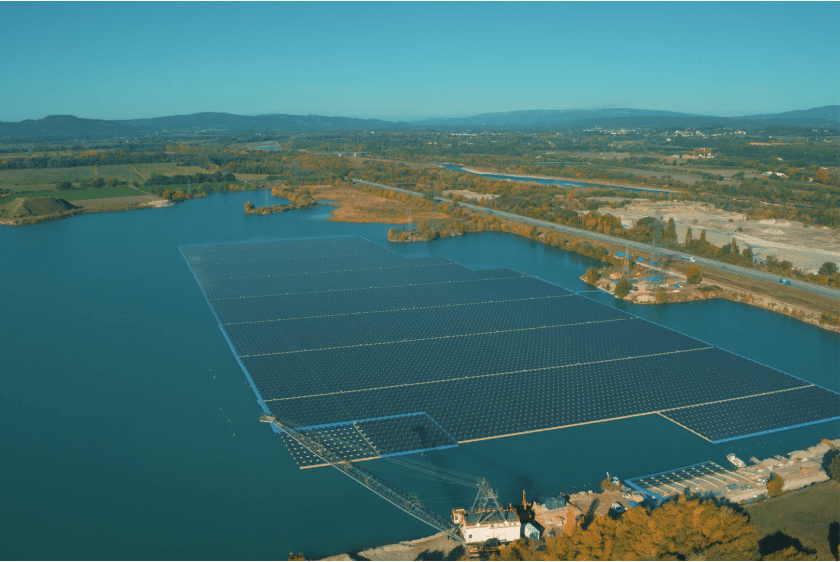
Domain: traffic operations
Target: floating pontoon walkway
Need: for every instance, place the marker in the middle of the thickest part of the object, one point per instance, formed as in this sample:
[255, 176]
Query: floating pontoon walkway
[385, 355]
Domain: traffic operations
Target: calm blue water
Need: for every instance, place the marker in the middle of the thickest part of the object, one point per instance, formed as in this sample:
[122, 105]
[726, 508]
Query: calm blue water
[130, 431]
[546, 181]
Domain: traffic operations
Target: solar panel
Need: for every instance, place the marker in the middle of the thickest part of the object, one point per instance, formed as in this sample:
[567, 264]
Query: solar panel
[380, 354]
[753, 415]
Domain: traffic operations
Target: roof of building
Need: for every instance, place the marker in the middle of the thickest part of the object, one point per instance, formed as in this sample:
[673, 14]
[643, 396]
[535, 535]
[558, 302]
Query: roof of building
[489, 518]
[555, 503]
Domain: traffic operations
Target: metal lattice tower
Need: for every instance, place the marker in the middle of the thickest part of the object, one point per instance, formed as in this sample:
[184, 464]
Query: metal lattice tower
[626, 268]
[487, 495]
[369, 480]
[656, 269]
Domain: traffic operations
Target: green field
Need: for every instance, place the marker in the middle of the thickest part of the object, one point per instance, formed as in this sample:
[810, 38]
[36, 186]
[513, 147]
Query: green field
[46, 178]
[77, 194]
[168, 169]
[122, 172]
[20, 179]
[804, 515]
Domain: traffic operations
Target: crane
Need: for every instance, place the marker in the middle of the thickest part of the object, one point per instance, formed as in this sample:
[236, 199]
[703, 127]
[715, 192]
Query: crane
[380, 487]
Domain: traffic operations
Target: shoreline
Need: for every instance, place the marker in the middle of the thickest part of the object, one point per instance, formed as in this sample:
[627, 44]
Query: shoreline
[718, 290]
[798, 469]
[82, 210]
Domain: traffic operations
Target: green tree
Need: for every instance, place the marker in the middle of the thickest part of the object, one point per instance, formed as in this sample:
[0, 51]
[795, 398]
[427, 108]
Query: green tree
[775, 485]
[834, 467]
[65, 185]
[688, 237]
[592, 275]
[828, 269]
[670, 234]
[694, 275]
[622, 289]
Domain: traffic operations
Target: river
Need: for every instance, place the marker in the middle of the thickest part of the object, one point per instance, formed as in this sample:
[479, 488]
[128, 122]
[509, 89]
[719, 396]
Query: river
[130, 431]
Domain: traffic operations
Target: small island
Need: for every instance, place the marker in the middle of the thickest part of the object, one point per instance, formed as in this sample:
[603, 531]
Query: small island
[298, 199]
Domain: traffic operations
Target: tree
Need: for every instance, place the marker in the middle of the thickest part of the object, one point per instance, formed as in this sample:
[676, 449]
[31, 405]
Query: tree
[679, 530]
[688, 237]
[670, 234]
[834, 467]
[791, 553]
[67, 185]
[608, 485]
[249, 207]
[828, 269]
[622, 289]
[592, 275]
[694, 275]
[775, 485]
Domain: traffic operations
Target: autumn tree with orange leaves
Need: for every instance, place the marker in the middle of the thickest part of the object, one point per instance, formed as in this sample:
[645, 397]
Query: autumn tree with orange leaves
[679, 530]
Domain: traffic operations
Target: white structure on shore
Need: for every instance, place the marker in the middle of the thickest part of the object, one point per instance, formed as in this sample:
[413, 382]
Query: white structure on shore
[480, 526]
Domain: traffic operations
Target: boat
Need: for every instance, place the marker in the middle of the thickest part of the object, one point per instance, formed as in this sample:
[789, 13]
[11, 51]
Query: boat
[735, 460]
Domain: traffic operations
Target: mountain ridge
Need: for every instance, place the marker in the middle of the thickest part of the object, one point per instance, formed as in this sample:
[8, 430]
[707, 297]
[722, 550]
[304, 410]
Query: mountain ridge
[64, 126]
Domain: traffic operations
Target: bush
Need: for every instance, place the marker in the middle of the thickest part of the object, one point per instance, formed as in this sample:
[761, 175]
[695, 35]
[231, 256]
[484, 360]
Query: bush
[608, 485]
[592, 275]
[774, 487]
[693, 275]
[834, 467]
[622, 289]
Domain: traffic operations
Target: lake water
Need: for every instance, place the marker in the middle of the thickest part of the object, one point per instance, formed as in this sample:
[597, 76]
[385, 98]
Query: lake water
[130, 432]
[549, 181]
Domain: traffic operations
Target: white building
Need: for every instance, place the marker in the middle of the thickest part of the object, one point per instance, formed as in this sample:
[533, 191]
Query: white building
[481, 526]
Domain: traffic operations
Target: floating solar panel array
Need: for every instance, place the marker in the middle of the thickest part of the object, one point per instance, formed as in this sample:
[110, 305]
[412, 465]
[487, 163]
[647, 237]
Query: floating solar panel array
[706, 478]
[380, 354]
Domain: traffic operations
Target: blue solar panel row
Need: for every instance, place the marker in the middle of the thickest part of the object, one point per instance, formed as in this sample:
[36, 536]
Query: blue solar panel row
[299, 305]
[414, 272]
[504, 404]
[338, 330]
[278, 250]
[411, 362]
[733, 419]
[322, 332]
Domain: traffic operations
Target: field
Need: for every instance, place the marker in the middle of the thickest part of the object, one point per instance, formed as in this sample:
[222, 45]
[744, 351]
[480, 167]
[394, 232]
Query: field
[807, 515]
[78, 194]
[46, 179]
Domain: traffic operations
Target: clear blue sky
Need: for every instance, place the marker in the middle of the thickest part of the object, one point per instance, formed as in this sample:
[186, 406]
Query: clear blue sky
[405, 61]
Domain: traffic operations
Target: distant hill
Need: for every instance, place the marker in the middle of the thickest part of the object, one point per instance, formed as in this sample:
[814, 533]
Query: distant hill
[253, 123]
[826, 112]
[54, 126]
[58, 127]
[827, 116]
[70, 127]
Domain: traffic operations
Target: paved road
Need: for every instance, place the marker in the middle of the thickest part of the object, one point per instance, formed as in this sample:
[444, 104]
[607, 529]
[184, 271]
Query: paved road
[639, 246]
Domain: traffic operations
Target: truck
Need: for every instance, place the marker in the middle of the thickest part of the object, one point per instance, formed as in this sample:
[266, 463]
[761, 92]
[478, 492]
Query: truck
[784, 281]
